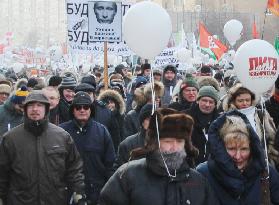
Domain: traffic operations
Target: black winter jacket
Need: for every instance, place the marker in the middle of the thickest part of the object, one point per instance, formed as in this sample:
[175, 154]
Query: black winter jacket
[37, 169]
[143, 181]
[96, 149]
[131, 122]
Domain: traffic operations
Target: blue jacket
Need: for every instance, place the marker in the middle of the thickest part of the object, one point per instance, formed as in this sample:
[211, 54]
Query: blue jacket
[95, 146]
[230, 185]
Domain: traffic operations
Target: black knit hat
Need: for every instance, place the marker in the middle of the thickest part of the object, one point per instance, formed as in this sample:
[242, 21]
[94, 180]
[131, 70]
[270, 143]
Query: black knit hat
[171, 68]
[68, 83]
[89, 79]
[32, 82]
[54, 80]
[145, 112]
[85, 87]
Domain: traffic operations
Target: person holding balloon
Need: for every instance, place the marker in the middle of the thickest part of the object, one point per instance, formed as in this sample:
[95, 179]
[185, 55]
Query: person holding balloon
[237, 170]
[244, 100]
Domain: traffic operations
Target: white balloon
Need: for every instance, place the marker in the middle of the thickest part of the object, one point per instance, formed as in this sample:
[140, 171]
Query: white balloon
[232, 31]
[147, 29]
[183, 55]
[256, 65]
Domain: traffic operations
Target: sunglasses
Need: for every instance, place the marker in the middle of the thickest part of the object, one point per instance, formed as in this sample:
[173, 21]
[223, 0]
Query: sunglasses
[84, 107]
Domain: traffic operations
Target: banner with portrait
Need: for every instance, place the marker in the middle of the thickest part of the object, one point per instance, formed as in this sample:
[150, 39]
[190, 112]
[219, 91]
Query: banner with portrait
[79, 41]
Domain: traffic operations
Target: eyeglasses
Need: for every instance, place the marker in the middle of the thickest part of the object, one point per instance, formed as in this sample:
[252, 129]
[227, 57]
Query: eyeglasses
[85, 107]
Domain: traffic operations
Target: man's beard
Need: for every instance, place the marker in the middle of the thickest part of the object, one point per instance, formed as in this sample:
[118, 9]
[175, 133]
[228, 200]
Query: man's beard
[35, 127]
[173, 160]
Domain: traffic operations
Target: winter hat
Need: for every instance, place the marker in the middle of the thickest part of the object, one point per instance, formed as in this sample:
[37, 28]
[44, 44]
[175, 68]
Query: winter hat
[233, 125]
[4, 88]
[208, 80]
[89, 79]
[54, 81]
[171, 68]
[32, 82]
[118, 69]
[145, 66]
[171, 124]
[157, 72]
[68, 83]
[140, 80]
[6, 82]
[81, 98]
[145, 112]
[189, 82]
[116, 77]
[208, 91]
[158, 89]
[118, 87]
[20, 95]
[84, 87]
[206, 70]
[36, 96]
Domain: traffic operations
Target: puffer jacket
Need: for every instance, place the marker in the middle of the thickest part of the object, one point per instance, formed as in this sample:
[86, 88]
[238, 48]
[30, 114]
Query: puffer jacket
[36, 170]
[144, 181]
[96, 149]
[230, 185]
[9, 117]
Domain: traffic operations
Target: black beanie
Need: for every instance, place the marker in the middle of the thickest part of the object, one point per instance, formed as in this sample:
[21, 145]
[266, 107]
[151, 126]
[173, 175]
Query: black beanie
[32, 82]
[145, 112]
[89, 79]
[54, 80]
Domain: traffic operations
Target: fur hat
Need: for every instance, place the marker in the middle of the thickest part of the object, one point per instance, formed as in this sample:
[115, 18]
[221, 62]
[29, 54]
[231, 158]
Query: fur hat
[4, 88]
[171, 124]
[116, 97]
[233, 92]
[207, 80]
[139, 98]
[158, 89]
[233, 124]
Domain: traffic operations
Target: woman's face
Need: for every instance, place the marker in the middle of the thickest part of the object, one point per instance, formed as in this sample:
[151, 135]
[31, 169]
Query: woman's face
[239, 151]
[111, 105]
[243, 101]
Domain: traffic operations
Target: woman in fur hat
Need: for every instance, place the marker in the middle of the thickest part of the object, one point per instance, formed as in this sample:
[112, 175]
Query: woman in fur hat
[237, 169]
[164, 176]
[115, 103]
[244, 100]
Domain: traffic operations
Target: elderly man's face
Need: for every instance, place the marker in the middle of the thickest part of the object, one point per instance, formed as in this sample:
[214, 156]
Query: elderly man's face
[105, 11]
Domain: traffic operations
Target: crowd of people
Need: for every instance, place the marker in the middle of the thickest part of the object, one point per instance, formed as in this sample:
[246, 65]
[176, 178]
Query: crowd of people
[179, 138]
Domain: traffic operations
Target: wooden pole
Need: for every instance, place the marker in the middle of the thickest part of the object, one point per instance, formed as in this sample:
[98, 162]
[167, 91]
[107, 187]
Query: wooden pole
[106, 65]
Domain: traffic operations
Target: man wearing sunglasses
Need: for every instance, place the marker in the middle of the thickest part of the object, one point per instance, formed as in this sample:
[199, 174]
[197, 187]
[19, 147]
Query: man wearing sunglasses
[94, 144]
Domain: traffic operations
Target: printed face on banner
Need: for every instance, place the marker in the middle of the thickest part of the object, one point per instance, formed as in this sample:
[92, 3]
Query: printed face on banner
[105, 21]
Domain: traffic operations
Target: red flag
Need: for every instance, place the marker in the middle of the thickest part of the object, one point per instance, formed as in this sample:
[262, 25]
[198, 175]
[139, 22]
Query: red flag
[2, 47]
[273, 6]
[208, 41]
[254, 31]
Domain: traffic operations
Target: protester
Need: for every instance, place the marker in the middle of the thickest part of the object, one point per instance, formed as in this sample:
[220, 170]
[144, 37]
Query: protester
[203, 112]
[169, 81]
[54, 81]
[11, 112]
[53, 97]
[244, 100]
[187, 94]
[236, 169]
[39, 160]
[66, 91]
[115, 103]
[145, 71]
[94, 144]
[163, 177]
[135, 141]
[123, 70]
[157, 74]
[5, 91]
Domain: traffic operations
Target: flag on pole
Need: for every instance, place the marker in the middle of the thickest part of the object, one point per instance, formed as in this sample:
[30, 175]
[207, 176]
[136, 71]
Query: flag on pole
[208, 41]
[255, 33]
[276, 44]
[273, 6]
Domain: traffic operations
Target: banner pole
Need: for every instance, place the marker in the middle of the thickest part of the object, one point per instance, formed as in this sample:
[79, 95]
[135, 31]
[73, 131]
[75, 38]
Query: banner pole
[106, 64]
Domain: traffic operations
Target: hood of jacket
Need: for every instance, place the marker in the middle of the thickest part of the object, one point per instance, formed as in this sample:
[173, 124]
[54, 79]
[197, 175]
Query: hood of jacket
[116, 97]
[221, 165]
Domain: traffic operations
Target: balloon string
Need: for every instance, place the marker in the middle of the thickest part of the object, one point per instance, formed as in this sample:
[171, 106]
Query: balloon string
[263, 110]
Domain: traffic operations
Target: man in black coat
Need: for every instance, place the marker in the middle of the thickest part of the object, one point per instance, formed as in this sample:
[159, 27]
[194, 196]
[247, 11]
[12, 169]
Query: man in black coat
[94, 144]
[163, 177]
